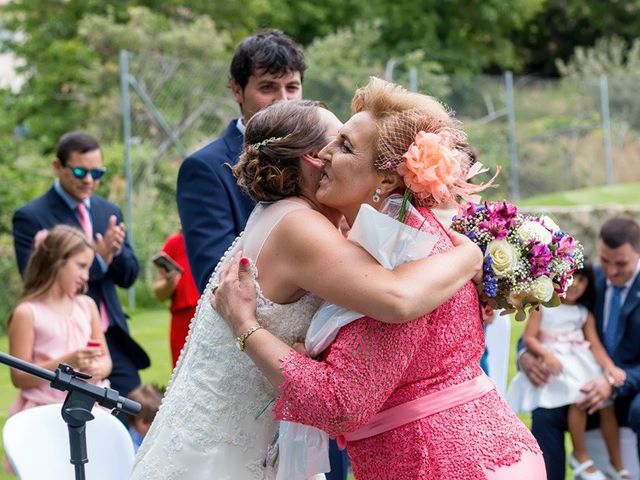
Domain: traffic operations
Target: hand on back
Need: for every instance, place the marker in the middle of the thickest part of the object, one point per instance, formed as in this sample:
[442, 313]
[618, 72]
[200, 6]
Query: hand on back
[235, 296]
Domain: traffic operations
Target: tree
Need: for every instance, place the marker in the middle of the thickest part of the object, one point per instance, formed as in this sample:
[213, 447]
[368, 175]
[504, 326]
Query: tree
[56, 95]
[619, 61]
[463, 36]
[562, 25]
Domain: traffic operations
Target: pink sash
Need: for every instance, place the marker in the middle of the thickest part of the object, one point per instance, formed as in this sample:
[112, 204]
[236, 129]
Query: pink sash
[404, 413]
[564, 340]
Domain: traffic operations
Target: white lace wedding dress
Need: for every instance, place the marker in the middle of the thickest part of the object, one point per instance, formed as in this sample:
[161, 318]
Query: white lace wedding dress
[216, 420]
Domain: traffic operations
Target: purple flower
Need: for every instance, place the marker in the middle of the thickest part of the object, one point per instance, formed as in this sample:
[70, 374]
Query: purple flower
[489, 281]
[566, 246]
[540, 257]
[470, 210]
[495, 225]
[503, 210]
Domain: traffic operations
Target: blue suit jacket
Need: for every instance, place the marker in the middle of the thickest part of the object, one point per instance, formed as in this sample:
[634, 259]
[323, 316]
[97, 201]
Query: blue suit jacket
[50, 210]
[627, 352]
[213, 209]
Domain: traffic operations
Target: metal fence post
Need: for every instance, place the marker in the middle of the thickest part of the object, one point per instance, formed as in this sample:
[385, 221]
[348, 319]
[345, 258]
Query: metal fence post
[126, 130]
[413, 79]
[388, 69]
[513, 149]
[606, 129]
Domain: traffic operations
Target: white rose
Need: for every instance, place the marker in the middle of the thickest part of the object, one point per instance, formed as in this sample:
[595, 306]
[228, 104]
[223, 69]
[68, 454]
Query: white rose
[504, 256]
[549, 223]
[542, 288]
[531, 230]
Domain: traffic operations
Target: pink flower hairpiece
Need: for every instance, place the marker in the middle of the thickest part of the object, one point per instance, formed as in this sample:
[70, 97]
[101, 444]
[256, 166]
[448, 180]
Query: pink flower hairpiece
[432, 167]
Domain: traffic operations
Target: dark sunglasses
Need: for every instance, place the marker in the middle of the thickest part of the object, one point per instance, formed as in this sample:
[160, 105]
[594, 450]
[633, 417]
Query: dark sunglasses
[80, 172]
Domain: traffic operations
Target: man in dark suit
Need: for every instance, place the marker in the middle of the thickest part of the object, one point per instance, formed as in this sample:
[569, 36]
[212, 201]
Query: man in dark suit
[617, 313]
[78, 167]
[266, 67]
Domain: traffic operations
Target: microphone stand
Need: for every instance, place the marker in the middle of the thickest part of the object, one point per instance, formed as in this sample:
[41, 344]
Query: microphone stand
[76, 409]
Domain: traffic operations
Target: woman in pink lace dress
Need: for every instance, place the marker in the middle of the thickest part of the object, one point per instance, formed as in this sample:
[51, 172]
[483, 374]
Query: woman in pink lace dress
[409, 400]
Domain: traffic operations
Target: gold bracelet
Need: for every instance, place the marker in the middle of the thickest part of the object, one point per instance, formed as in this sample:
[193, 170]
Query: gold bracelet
[242, 338]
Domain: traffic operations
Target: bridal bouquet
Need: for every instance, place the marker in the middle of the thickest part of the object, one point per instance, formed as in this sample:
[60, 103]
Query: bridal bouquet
[528, 260]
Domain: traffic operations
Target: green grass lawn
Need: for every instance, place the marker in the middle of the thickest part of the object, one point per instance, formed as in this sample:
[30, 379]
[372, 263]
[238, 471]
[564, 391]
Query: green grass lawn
[622, 193]
[150, 328]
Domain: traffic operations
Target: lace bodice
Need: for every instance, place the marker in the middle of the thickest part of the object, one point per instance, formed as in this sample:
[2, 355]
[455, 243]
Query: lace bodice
[215, 420]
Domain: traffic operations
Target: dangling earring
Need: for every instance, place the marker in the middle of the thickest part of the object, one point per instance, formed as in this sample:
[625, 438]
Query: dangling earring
[376, 196]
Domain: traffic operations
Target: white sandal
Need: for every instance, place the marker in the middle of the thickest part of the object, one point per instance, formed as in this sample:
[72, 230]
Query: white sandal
[579, 470]
[614, 474]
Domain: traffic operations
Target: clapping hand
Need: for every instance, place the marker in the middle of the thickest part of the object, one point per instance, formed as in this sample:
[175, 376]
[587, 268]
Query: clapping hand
[109, 244]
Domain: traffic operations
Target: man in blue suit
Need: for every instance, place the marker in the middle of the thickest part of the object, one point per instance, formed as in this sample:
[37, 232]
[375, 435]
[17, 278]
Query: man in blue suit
[617, 313]
[78, 167]
[266, 67]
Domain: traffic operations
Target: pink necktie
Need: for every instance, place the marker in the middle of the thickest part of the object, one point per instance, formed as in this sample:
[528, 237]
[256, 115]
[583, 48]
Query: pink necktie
[85, 223]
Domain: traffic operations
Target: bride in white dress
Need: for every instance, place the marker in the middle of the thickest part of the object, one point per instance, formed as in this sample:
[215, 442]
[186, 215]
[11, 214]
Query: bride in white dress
[216, 420]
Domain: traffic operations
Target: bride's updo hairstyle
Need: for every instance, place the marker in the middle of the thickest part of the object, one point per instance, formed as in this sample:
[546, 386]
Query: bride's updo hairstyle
[399, 115]
[274, 141]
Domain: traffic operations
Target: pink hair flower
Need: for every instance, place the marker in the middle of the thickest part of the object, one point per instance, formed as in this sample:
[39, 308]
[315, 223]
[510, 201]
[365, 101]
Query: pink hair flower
[430, 166]
[40, 237]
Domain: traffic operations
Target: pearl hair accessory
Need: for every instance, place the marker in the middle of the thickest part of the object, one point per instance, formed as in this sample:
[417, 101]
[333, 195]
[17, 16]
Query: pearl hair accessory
[267, 141]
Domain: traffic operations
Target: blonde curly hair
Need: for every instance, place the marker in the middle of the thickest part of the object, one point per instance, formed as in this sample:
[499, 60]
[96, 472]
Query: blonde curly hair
[399, 115]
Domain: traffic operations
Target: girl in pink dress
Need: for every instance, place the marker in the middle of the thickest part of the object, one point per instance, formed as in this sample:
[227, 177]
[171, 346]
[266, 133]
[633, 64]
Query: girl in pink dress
[54, 322]
[409, 400]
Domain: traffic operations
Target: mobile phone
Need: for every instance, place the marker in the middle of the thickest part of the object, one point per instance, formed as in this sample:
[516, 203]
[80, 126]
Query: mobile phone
[167, 263]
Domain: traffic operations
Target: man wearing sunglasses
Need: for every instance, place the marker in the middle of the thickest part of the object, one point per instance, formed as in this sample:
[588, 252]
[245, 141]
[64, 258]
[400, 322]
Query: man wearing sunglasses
[78, 169]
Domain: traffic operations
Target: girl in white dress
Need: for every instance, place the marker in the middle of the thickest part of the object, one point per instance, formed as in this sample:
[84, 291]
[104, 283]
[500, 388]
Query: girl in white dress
[566, 338]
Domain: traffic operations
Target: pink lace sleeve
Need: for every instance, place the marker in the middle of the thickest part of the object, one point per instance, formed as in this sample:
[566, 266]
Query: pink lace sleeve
[364, 366]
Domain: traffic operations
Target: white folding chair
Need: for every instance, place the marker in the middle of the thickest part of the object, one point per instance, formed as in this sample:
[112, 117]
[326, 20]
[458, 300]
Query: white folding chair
[498, 340]
[598, 450]
[36, 442]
